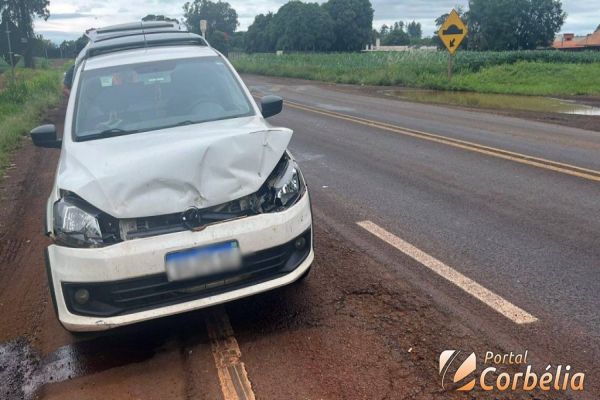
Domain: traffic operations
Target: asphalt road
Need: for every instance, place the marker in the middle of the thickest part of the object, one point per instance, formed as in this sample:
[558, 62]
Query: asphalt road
[528, 232]
[436, 228]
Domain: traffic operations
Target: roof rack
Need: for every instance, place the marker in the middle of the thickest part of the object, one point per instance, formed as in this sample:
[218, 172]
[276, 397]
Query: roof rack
[137, 35]
[134, 28]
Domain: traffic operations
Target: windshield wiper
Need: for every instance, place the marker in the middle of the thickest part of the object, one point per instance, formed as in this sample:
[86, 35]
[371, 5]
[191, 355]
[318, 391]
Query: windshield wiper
[107, 133]
[119, 131]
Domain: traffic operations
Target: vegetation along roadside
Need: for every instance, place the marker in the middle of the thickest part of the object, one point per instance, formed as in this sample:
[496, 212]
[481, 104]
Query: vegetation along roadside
[23, 103]
[542, 73]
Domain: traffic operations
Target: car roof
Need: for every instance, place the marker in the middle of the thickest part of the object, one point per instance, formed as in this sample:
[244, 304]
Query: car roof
[142, 40]
[132, 28]
[150, 54]
[123, 39]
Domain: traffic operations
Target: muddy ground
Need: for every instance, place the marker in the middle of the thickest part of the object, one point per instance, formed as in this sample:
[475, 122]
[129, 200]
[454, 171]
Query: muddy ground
[354, 330]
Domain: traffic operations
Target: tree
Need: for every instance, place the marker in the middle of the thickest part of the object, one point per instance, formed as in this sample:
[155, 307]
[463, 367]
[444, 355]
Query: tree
[260, 37]
[45, 48]
[302, 26]
[597, 29]
[396, 36]
[70, 48]
[220, 41]
[220, 16]
[542, 20]
[152, 17]
[352, 23]
[513, 24]
[414, 30]
[384, 30]
[374, 36]
[237, 41]
[16, 46]
[222, 21]
[439, 21]
[22, 14]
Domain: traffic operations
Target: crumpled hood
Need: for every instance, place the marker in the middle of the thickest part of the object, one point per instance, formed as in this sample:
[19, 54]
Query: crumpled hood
[169, 171]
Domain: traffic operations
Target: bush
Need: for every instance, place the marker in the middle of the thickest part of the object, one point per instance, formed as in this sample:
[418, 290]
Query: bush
[22, 104]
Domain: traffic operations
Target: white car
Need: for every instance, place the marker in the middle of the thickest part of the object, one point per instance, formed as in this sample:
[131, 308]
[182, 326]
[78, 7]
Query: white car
[172, 191]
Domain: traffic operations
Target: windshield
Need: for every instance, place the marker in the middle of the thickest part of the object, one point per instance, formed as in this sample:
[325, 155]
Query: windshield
[141, 97]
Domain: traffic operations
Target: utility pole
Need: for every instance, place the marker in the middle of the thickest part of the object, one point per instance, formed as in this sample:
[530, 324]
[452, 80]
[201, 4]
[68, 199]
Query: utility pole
[10, 53]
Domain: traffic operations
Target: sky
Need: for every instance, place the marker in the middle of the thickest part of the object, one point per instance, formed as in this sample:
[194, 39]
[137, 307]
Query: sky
[70, 18]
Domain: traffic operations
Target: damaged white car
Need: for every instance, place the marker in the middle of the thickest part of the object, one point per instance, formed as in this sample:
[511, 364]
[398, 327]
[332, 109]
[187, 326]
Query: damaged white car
[172, 191]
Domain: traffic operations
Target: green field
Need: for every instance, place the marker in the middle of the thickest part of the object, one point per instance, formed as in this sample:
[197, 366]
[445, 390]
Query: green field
[517, 72]
[22, 104]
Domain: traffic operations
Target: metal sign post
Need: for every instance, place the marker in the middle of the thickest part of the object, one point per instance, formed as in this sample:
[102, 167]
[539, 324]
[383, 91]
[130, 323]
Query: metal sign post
[203, 26]
[10, 53]
[452, 32]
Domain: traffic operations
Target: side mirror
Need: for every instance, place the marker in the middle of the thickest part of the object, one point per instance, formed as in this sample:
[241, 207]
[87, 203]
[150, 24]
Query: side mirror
[68, 81]
[271, 105]
[45, 136]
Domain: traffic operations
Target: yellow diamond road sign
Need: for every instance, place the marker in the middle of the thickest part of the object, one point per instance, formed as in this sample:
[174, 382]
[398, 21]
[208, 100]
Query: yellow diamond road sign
[453, 32]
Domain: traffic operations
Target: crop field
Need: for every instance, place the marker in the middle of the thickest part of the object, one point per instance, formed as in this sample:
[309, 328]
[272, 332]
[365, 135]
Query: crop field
[514, 72]
[22, 103]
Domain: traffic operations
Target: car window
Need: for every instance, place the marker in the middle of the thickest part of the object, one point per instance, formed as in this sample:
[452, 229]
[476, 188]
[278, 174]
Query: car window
[141, 97]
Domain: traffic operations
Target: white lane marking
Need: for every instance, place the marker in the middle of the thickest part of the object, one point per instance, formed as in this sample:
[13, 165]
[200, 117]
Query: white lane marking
[473, 288]
[233, 377]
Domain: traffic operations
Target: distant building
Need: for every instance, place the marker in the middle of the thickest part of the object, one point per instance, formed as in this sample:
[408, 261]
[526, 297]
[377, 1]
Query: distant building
[378, 47]
[569, 41]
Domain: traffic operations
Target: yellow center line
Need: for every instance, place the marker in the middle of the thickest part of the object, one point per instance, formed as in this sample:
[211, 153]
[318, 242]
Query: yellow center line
[567, 169]
[232, 373]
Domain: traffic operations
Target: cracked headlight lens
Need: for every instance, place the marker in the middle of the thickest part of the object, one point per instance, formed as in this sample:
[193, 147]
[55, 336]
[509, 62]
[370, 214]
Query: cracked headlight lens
[284, 187]
[76, 223]
[287, 187]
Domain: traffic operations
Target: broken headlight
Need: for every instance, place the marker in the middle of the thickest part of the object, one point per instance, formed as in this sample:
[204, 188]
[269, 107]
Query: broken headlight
[78, 224]
[284, 187]
[287, 187]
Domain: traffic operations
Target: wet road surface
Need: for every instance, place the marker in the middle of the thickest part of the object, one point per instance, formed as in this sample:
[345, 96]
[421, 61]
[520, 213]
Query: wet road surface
[371, 321]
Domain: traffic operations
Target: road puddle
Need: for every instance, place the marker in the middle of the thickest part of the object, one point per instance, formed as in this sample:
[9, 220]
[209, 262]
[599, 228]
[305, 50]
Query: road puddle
[23, 370]
[495, 101]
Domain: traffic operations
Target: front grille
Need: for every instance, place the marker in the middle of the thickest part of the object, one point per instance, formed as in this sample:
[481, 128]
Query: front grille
[132, 295]
[162, 224]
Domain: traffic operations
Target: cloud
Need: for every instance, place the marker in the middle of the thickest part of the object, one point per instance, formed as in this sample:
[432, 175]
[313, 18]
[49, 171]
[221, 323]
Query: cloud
[71, 17]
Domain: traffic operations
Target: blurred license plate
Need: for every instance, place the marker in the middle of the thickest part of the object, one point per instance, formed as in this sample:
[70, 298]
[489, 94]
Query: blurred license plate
[203, 261]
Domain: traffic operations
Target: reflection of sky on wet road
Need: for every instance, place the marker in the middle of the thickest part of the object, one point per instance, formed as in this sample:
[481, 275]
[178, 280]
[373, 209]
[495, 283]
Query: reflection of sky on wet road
[494, 101]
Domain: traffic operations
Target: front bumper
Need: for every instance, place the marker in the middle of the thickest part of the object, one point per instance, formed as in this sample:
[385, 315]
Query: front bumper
[143, 261]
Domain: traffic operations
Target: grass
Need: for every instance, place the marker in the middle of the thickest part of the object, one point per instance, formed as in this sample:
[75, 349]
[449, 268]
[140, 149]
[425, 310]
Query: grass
[516, 72]
[22, 104]
[533, 78]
